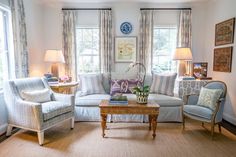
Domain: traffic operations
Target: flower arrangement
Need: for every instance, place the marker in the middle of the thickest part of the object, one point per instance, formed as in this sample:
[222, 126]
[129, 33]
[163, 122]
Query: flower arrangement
[65, 78]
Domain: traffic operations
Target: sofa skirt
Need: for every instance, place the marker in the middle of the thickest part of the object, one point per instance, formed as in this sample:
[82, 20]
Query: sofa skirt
[166, 114]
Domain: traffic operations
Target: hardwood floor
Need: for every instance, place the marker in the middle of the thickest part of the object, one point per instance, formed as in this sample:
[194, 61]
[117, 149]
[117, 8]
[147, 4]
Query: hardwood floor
[122, 140]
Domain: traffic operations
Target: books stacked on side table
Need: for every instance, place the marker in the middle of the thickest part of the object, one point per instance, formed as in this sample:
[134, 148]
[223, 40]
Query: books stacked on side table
[118, 100]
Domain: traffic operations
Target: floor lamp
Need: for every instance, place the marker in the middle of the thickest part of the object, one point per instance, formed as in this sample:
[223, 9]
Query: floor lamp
[182, 55]
[54, 57]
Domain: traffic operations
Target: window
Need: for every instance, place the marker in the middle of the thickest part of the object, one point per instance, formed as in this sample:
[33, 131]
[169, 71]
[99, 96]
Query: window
[5, 44]
[87, 50]
[164, 45]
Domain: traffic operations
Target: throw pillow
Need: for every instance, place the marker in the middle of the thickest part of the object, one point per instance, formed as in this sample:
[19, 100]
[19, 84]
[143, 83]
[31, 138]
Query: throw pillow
[209, 97]
[123, 86]
[91, 84]
[163, 84]
[39, 96]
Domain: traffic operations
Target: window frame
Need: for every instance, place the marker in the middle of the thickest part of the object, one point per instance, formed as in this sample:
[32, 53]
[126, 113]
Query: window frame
[153, 56]
[91, 54]
[8, 49]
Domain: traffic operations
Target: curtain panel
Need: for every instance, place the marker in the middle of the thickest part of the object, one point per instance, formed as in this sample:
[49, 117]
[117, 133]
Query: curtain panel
[20, 38]
[184, 37]
[145, 40]
[69, 42]
[106, 41]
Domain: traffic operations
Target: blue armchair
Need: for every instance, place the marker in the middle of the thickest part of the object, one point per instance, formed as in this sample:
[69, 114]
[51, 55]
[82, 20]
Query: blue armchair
[205, 114]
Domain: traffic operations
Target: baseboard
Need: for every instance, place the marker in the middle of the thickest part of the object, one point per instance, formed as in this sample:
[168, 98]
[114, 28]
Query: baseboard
[3, 128]
[229, 126]
[229, 119]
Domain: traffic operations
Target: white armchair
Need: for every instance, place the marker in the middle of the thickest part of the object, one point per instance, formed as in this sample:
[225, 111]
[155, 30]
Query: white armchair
[36, 112]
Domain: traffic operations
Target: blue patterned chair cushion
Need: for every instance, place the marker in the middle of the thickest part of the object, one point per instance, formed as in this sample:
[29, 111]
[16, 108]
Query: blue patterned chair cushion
[209, 97]
[54, 108]
[198, 111]
[39, 96]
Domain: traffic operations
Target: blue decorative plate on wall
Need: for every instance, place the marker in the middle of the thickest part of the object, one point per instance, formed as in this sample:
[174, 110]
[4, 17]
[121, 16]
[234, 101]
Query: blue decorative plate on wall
[126, 28]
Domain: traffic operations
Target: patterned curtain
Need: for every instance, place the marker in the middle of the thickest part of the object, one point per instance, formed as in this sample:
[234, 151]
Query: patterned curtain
[20, 38]
[184, 38]
[69, 42]
[145, 39]
[106, 41]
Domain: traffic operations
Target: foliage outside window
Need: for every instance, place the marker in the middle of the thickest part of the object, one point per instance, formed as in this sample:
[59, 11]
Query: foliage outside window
[87, 50]
[164, 45]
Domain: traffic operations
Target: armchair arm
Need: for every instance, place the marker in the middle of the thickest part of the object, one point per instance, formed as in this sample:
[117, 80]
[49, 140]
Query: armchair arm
[190, 99]
[64, 98]
[26, 114]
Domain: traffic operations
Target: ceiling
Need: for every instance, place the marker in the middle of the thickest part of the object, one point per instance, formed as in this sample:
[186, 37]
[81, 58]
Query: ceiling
[150, 1]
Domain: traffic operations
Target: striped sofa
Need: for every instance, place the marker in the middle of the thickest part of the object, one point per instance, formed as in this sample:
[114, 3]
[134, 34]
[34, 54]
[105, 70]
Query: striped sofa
[86, 107]
[36, 116]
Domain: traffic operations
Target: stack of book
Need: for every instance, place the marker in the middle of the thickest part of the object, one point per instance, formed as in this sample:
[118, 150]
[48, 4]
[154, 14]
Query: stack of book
[116, 100]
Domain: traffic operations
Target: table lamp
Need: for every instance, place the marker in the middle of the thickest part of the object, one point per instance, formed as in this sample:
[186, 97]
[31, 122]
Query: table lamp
[183, 54]
[55, 57]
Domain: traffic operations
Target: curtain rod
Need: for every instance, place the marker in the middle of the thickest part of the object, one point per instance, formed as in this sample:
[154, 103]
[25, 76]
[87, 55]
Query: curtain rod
[86, 9]
[165, 9]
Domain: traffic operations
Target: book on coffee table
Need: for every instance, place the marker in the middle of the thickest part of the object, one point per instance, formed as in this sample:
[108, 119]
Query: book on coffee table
[118, 100]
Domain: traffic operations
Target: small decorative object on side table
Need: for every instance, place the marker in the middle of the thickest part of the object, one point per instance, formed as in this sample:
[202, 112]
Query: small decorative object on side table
[66, 88]
[143, 91]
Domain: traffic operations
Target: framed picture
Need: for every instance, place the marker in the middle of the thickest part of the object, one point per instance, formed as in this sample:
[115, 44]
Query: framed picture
[224, 32]
[223, 59]
[200, 70]
[125, 49]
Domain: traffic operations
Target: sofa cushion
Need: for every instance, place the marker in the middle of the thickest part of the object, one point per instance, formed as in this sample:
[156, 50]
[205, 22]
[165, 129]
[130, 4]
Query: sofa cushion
[38, 96]
[163, 84]
[54, 108]
[91, 84]
[124, 86]
[91, 100]
[198, 111]
[162, 100]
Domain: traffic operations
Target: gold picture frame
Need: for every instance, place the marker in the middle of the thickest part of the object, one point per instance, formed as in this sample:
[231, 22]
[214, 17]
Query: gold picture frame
[223, 59]
[125, 49]
[224, 32]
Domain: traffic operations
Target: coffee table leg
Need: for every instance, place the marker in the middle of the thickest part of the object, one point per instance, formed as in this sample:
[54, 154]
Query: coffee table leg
[150, 121]
[103, 123]
[154, 125]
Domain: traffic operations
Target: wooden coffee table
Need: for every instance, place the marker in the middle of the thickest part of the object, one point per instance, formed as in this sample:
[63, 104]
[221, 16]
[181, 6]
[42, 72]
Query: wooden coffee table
[150, 109]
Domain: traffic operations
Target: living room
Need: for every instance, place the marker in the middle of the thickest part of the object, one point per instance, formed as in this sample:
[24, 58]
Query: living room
[155, 31]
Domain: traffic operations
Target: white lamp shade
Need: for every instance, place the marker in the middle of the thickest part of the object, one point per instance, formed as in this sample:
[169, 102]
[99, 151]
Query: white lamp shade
[183, 54]
[55, 56]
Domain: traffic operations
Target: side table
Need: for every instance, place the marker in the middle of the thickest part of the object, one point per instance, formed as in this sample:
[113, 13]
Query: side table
[65, 88]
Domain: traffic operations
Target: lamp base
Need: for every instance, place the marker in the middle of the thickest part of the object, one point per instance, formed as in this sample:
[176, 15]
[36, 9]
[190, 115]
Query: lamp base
[54, 70]
[181, 68]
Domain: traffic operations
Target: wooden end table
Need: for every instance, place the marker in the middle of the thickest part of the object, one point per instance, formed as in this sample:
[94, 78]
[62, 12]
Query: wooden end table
[65, 88]
[150, 109]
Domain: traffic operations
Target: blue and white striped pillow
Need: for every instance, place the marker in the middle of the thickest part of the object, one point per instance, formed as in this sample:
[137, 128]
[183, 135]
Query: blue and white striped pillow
[163, 84]
[91, 84]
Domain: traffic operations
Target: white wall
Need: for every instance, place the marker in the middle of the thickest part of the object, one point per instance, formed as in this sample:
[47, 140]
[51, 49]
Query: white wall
[219, 11]
[121, 12]
[35, 36]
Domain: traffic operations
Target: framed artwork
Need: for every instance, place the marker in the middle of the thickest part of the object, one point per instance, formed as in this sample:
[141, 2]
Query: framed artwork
[125, 49]
[200, 70]
[224, 32]
[223, 59]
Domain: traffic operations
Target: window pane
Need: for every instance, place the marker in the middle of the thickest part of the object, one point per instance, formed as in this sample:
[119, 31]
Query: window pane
[1, 48]
[87, 50]
[164, 45]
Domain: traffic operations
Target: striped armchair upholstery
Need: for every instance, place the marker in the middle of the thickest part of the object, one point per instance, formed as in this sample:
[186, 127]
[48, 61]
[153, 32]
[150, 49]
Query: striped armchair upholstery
[36, 116]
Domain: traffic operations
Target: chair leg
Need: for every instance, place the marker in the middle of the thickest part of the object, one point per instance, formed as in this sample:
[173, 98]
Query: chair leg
[219, 125]
[212, 130]
[41, 137]
[183, 122]
[202, 124]
[9, 129]
[72, 120]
